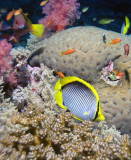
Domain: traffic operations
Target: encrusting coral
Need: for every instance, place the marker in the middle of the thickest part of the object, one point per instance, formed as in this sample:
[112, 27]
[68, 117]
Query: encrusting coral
[32, 41]
[58, 137]
[6, 110]
[111, 76]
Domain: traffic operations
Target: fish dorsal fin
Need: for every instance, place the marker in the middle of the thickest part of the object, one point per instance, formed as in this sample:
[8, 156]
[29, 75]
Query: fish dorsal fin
[26, 18]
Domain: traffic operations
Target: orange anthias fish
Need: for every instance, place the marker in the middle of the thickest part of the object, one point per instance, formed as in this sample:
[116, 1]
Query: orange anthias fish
[69, 51]
[115, 41]
[49, 22]
[10, 14]
[60, 74]
[18, 11]
[126, 48]
[43, 3]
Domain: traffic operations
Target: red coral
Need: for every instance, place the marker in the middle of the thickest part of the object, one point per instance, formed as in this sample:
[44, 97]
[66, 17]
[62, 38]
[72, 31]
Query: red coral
[59, 14]
[6, 69]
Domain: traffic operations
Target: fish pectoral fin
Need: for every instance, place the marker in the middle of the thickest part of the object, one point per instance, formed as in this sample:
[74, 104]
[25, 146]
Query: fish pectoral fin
[86, 113]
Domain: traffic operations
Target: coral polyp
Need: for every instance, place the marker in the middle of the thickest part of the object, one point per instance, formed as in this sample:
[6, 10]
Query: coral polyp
[38, 136]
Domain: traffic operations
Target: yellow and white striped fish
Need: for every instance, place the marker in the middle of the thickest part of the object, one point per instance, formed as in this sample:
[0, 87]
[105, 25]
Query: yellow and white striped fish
[79, 97]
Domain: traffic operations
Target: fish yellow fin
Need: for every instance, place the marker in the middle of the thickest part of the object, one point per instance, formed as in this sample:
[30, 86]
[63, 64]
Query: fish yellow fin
[127, 25]
[26, 18]
[58, 95]
[37, 29]
[77, 118]
[100, 116]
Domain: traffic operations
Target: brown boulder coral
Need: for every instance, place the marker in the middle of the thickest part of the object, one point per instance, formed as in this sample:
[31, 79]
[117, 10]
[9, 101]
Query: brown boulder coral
[91, 55]
[37, 136]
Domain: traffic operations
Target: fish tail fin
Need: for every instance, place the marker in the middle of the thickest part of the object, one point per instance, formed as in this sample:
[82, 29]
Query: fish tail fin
[61, 53]
[127, 21]
[100, 116]
[37, 29]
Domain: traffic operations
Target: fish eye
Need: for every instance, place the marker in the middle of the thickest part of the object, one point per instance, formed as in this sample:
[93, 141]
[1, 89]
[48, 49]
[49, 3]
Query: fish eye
[21, 26]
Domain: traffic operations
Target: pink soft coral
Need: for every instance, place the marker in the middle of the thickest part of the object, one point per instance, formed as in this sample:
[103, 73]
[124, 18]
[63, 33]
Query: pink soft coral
[6, 69]
[59, 14]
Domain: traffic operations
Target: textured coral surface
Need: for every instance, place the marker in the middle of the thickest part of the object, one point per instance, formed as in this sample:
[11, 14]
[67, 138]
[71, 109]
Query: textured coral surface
[37, 136]
[91, 55]
[116, 105]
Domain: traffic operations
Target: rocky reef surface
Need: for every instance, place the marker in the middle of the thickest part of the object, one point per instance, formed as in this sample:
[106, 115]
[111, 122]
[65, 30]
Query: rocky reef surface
[90, 56]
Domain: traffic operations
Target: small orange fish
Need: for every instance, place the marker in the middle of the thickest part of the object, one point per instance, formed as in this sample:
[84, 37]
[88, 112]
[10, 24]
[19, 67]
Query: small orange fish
[69, 51]
[9, 15]
[1, 24]
[18, 11]
[60, 74]
[49, 22]
[43, 3]
[126, 48]
[115, 41]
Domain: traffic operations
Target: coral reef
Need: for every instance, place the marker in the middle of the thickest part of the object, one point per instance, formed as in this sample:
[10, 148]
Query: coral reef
[20, 53]
[59, 14]
[39, 90]
[111, 76]
[36, 128]
[32, 41]
[49, 137]
[105, 130]
[115, 104]
[6, 110]
[88, 43]
[6, 69]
